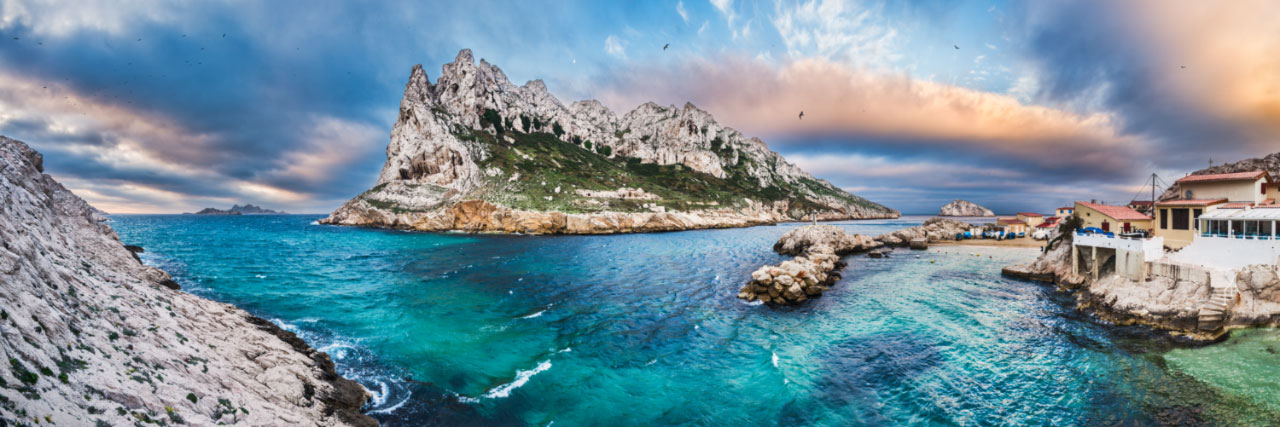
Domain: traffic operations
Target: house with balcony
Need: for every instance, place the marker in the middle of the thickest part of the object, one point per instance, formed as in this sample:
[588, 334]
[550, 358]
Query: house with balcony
[1064, 211]
[1178, 219]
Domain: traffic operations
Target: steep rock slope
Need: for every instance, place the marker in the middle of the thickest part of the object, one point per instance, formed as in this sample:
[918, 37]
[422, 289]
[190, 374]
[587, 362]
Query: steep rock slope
[964, 208]
[89, 335]
[475, 152]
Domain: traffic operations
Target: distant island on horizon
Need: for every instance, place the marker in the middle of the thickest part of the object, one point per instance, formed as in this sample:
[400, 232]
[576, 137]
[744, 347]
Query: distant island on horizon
[247, 209]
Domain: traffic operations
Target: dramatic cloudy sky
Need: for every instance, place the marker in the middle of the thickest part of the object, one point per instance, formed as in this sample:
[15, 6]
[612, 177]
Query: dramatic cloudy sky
[173, 106]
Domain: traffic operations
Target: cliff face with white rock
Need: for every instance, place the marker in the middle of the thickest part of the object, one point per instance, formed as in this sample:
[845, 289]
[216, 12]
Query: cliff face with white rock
[964, 208]
[475, 152]
[91, 336]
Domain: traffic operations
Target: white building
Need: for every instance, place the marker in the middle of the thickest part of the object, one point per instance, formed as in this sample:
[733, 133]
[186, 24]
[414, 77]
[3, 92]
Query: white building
[1234, 237]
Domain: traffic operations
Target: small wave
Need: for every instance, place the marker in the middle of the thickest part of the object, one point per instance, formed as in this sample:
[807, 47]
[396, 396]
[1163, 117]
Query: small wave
[260, 276]
[316, 222]
[651, 362]
[538, 314]
[392, 408]
[775, 360]
[565, 350]
[522, 377]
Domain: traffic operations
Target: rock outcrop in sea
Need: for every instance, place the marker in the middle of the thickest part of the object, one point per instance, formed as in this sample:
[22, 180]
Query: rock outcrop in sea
[814, 269]
[964, 208]
[475, 152]
[91, 336]
[818, 249]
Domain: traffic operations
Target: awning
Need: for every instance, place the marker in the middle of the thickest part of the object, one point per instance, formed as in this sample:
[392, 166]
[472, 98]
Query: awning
[1243, 214]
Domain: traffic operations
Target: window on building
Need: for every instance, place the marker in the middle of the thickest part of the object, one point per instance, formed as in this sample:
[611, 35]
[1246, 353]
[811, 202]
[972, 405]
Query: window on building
[1164, 219]
[1195, 220]
[1181, 219]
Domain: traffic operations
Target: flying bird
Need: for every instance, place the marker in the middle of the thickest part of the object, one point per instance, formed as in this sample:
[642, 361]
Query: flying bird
[1184, 67]
[801, 115]
[665, 46]
[957, 47]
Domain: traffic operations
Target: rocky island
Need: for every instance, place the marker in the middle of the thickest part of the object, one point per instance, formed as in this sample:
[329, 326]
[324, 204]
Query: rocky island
[964, 208]
[91, 336]
[475, 152]
[247, 209]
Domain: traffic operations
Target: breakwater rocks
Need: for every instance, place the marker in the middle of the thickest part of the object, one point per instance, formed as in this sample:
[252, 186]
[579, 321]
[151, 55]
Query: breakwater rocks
[813, 270]
[818, 249]
[91, 336]
[932, 230]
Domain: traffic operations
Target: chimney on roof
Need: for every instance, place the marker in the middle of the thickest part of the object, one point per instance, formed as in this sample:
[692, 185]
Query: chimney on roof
[1093, 200]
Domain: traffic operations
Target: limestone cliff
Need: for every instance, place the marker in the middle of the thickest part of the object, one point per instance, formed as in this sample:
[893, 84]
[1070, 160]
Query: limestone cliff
[964, 208]
[91, 336]
[475, 152]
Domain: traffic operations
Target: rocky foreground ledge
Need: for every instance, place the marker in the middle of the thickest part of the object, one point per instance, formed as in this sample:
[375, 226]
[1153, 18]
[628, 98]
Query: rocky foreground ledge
[818, 249]
[91, 336]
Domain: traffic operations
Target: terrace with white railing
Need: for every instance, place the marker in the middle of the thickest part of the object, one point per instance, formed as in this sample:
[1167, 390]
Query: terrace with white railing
[1234, 238]
[1152, 248]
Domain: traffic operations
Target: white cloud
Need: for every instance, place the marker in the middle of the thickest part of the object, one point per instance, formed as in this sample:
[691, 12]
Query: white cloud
[680, 10]
[837, 31]
[107, 16]
[614, 47]
[703, 27]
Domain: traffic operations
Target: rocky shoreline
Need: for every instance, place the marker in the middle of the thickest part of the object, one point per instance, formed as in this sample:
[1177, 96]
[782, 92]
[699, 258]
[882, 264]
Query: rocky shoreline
[93, 336]
[1179, 299]
[478, 216]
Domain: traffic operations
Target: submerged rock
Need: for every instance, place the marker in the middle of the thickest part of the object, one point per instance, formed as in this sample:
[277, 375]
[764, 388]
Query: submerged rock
[92, 336]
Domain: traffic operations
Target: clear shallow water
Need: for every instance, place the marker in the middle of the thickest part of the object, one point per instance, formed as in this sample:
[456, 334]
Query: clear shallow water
[645, 329]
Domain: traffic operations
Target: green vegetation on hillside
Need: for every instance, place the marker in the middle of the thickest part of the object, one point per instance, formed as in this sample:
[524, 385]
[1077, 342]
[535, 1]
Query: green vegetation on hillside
[544, 162]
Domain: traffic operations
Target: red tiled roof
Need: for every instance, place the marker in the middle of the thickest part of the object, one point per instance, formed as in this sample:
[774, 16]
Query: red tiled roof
[1067, 207]
[1120, 213]
[1047, 225]
[1236, 205]
[1033, 214]
[1140, 203]
[1191, 202]
[1237, 176]
[1009, 221]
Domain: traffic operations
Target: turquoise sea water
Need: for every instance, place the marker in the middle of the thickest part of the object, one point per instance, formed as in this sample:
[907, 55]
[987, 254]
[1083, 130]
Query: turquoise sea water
[646, 329]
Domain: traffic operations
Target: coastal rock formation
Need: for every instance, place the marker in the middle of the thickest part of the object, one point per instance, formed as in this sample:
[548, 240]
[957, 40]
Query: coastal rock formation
[802, 239]
[794, 281]
[932, 230]
[1269, 163]
[814, 269]
[90, 335]
[532, 163]
[964, 208]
